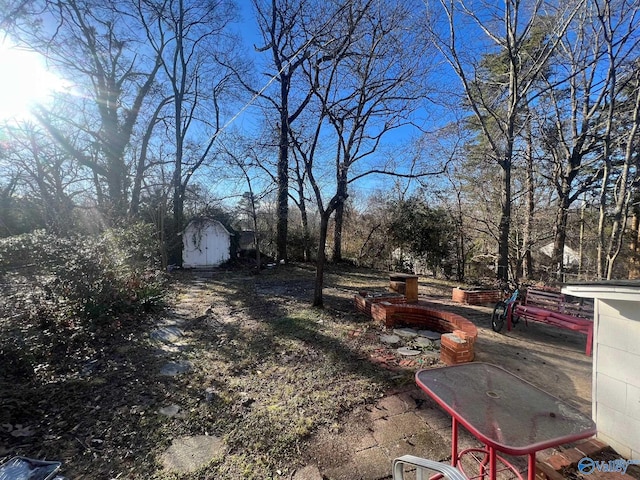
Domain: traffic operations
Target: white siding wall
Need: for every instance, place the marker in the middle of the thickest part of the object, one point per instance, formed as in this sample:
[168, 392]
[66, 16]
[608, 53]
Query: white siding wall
[616, 400]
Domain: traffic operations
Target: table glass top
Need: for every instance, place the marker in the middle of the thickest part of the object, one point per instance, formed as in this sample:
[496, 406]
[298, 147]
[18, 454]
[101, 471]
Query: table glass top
[503, 410]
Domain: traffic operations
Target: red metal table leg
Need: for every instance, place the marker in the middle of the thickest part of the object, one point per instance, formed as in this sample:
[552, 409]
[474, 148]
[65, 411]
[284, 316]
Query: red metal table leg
[531, 473]
[454, 442]
[492, 463]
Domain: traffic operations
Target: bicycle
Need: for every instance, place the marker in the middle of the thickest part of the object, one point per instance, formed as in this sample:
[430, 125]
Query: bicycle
[502, 309]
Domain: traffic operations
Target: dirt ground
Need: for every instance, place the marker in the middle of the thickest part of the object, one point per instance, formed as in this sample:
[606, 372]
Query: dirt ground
[241, 358]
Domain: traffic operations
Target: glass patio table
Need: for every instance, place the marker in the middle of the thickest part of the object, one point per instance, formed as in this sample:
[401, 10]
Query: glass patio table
[506, 413]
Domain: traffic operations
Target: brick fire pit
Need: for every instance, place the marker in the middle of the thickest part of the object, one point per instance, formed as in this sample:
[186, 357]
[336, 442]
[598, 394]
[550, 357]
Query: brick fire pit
[459, 334]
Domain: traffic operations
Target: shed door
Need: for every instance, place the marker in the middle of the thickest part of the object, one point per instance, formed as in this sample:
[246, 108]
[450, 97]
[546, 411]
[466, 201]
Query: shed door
[217, 250]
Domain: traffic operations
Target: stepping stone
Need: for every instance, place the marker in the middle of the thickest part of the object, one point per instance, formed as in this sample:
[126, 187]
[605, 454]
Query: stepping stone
[389, 339]
[405, 332]
[168, 334]
[408, 352]
[423, 342]
[172, 411]
[174, 347]
[430, 334]
[172, 369]
[310, 472]
[188, 454]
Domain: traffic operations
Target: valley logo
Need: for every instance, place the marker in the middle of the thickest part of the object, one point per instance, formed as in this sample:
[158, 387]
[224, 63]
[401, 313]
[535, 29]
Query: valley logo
[587, 465]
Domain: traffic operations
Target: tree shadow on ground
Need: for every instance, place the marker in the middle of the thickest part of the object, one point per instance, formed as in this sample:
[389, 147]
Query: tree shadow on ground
[283, 368]
[90, 410]
[269, 370]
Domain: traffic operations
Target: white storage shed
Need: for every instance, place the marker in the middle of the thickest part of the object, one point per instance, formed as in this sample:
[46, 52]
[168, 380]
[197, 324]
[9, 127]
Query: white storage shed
[205, 243]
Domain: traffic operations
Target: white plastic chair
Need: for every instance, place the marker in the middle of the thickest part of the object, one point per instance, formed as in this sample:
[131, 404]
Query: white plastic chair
[425, 467]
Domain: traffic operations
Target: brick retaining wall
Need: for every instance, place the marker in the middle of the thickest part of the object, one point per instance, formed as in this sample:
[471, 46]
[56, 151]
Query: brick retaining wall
[457, 346]
[475, 297]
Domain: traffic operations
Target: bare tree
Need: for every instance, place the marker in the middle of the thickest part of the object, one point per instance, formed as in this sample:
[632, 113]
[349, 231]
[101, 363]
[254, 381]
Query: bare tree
[301, 202]
[627, 158]
[363, 82]
[281, 24]
[504, 31]
[95, 44]
[47, 175]
[579, 106]
[144, 158]
[193, 45]
[370, 87]
[242, 157]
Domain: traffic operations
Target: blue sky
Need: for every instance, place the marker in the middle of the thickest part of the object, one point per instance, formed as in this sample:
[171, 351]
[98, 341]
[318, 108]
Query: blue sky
[395, 143]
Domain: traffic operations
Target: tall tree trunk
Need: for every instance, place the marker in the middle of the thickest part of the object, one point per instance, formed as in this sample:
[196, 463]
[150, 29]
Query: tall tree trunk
[560, 234]
[337, 233]
[304, 216]
[141, 165]
[283, 173]
[175, 241]
[461, 254]
[136, 191]
[306, 235]
[581, 249]
[341, 187]
[256, 236]
[178, 83]
[505, 222]
[117, 190]
[527, 258]
[634, 262]
[623, 192]
[620, 220]
[162, 237]
[338, 199]
[601, 221]
[321, 259]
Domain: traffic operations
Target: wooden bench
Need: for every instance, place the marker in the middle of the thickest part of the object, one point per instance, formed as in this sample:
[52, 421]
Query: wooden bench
[553, 308]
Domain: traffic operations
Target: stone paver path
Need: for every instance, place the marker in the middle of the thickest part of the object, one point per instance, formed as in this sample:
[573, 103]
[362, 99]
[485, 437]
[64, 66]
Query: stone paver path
[171, 337]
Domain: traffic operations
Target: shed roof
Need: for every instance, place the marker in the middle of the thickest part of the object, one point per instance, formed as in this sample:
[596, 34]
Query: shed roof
[203, 221]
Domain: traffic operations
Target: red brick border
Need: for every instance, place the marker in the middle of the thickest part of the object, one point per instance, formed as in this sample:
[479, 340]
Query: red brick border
[552, 467]
[475, 297]
[457, 346]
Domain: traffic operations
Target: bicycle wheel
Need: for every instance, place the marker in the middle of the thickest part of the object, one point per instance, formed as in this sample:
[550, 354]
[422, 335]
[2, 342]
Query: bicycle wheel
[499, 316]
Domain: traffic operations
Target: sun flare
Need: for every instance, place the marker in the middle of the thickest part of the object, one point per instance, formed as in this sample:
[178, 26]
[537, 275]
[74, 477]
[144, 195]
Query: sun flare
[25, 81]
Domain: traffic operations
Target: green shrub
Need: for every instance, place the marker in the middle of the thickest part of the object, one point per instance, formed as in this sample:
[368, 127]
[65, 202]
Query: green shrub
[86, 278]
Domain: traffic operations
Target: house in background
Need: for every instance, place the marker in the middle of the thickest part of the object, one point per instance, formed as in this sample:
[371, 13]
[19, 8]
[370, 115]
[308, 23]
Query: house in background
[205, 243]
[570, 258]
